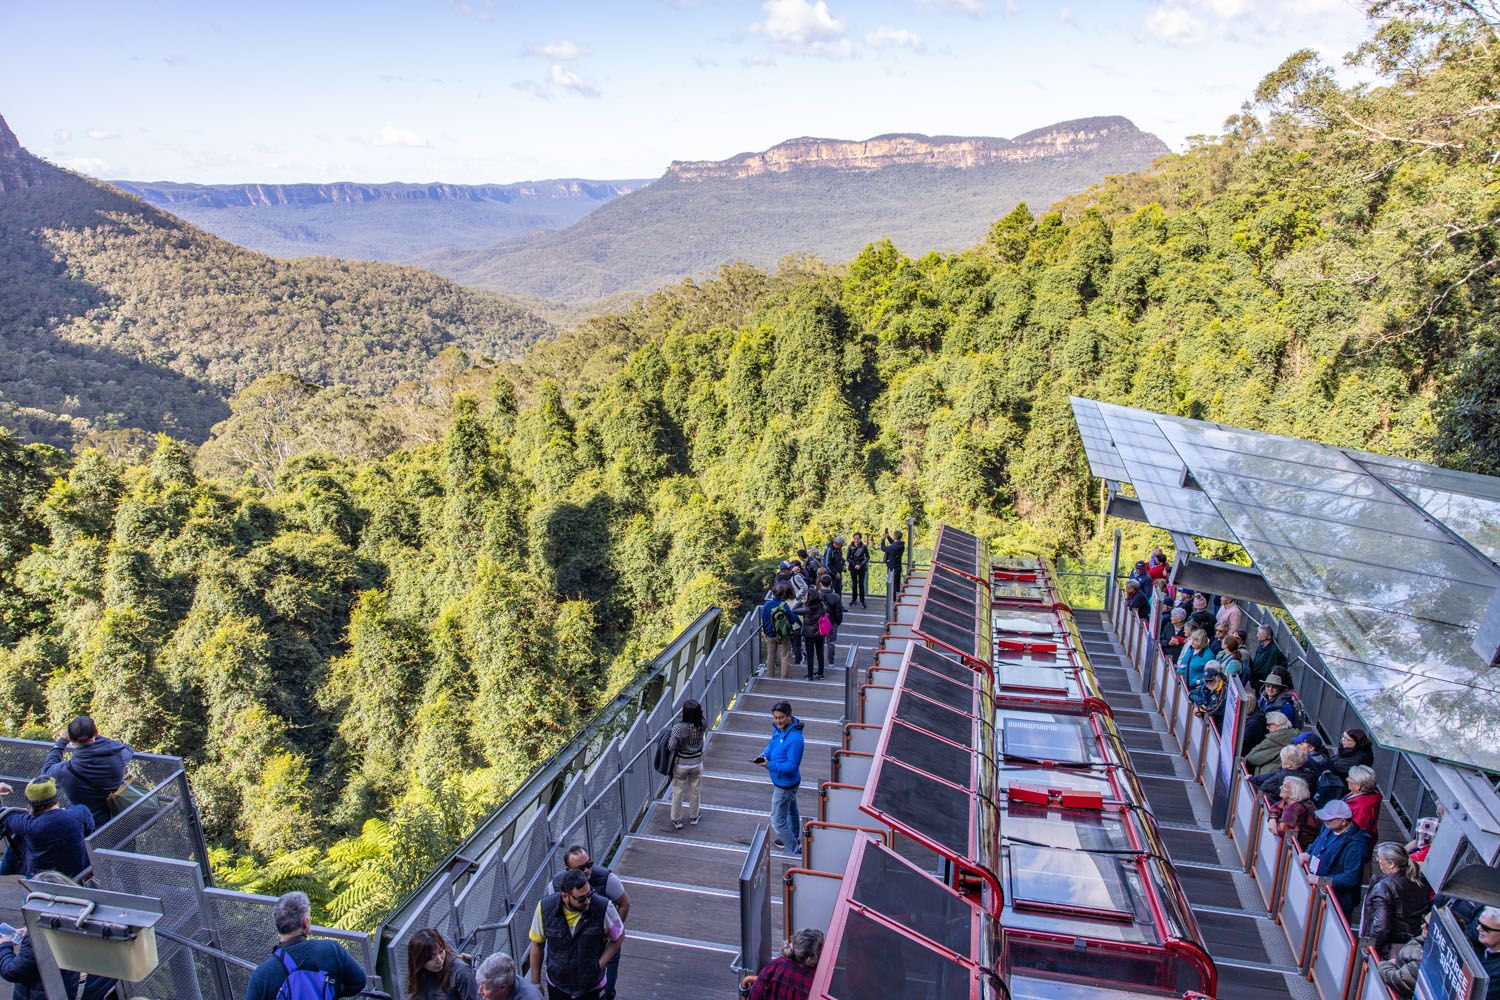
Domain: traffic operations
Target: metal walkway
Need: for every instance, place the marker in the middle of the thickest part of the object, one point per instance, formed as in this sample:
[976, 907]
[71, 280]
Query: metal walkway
[1250, 951]
[684, 926]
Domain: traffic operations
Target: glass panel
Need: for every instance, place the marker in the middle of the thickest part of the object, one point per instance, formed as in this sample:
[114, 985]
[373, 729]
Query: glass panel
[1068, 878]
[1025, 622]
[936, 719]
[897, 890]
[913, 801]
[958, 697]
[873, 958]
[948, 634]
[927, 753]
[1029, 988]
[1474, 519]
[1420, 548]
[1042, 680]
[943, 663]
[1081, 829]
[1031, 739]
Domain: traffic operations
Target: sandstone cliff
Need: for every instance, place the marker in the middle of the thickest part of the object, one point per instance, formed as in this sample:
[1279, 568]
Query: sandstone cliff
[174, 195]
[18, 168]
[1074, 138]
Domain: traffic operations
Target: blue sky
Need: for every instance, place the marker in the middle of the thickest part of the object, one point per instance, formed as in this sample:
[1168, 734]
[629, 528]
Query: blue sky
[473, 91]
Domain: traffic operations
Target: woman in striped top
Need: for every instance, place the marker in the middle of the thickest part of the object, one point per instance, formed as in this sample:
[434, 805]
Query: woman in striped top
[685, 743]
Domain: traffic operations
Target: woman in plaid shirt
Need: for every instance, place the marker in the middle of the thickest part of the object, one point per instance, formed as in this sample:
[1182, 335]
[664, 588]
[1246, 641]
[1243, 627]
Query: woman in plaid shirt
[790, 976]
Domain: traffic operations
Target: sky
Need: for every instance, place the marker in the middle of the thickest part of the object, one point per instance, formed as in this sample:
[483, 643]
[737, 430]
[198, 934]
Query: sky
[498, 91]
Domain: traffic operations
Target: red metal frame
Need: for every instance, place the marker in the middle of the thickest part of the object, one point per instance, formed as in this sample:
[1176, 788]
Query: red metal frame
[846, 904]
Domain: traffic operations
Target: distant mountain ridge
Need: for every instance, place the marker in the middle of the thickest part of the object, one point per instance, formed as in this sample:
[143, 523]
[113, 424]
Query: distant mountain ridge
[1083, 135]
[391, 222]
[829, 197]
[118, 317]
[169, 194]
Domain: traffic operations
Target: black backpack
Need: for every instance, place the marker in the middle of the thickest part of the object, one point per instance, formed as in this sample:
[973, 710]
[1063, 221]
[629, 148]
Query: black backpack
[1330, 787]
[662, 759]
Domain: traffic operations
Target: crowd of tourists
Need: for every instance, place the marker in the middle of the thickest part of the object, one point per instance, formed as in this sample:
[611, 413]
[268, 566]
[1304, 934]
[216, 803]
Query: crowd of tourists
[804, 605]
[1326, 797]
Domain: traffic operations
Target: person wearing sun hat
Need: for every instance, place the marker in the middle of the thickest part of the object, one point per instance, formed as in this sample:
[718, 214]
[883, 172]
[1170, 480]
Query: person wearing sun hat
[48, 837]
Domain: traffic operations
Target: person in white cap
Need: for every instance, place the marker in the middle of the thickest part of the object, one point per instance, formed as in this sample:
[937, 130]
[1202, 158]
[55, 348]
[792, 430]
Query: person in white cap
[1337, 857]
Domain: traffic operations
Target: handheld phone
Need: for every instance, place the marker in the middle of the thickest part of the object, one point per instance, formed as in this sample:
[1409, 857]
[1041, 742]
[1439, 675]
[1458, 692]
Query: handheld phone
[7, 932]
[758, 759]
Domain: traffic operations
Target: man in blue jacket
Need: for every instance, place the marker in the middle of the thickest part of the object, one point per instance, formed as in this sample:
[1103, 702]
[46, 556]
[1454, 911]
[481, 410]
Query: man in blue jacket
[1337, 857]
[94, 772]
[782, 759]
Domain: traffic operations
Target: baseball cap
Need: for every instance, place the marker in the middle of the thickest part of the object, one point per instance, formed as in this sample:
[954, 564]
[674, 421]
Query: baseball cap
[1337, 809]
[1312, 739]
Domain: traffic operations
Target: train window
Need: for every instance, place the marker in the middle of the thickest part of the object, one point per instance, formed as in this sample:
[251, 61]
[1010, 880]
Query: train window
[914, 802]
[1023, 623]
[1061, 778]
[1075, 828]
[1041, 680]
[936, 719]
[926, 753]
[901, 893]
[1068, 881]
[1030, 739]
[957, 697]
[873, 959]
[1033, 988]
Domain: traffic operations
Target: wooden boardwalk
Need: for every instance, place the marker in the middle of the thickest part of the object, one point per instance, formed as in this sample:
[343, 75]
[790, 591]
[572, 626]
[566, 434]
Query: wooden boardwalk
[684, 927]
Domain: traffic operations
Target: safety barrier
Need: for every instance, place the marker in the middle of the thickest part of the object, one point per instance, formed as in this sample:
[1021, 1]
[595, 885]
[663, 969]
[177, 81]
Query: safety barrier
[486, 901]
[1326, 950]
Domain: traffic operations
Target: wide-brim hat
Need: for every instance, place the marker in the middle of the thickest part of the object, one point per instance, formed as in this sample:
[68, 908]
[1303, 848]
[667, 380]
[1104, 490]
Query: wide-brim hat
[1277, 680]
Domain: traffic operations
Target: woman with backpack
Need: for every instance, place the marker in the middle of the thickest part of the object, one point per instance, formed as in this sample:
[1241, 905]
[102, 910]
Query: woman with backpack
[435, 971]
[685, 744]
[816, 624]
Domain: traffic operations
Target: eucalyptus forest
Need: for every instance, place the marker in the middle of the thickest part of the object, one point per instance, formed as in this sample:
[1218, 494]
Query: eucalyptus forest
[362, 619]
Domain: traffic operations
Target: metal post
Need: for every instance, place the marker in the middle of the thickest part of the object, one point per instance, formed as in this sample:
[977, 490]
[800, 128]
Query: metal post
[911, 545]
[1114, 574]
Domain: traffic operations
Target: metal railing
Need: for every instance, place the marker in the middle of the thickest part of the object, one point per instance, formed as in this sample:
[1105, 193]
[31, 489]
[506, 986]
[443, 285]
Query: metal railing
[485, 897]
[155, 848]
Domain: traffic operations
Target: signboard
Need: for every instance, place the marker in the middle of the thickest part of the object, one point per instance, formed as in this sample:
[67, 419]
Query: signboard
[755, 904]
[1229, 748]
[1450, 970]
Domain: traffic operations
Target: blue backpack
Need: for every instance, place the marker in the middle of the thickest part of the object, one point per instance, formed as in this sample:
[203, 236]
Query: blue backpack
[303, 984]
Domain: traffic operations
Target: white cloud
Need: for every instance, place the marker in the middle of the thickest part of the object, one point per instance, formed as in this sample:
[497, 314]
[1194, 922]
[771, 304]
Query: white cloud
[390, 135]
[62, 136]
[1192, 22]
[91, 165]
[102, 135]
[1175, 25]
[563, 51]
[973, 8]
[803, 28]
[896, 38]
[1065, 15]
[569, 80]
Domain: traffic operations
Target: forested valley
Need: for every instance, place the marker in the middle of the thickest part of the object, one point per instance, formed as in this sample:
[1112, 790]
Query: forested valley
[363, 620]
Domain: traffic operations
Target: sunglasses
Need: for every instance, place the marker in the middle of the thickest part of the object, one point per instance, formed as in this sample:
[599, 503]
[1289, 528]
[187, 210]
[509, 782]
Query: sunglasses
[584, 898]
[1492, 930]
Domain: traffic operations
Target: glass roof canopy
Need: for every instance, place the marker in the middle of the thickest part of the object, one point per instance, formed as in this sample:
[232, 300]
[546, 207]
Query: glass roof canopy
[1133, 440]
[1387, 565]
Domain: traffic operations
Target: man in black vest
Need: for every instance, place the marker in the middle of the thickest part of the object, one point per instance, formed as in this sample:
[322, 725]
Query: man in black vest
[578, 932]
[604, 883]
